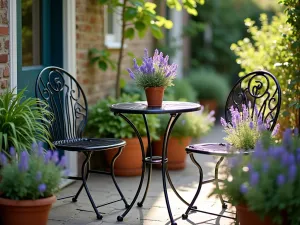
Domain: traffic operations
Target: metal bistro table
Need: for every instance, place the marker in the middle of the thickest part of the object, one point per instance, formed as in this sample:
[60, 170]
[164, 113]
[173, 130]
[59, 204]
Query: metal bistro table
[175, 109]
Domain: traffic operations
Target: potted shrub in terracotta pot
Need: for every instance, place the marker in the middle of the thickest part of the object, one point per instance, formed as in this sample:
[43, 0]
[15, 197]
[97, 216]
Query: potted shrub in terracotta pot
[28, 185]
[154, 75]
[188, 126]
[211, 88]
[103, 123]
[264, 186]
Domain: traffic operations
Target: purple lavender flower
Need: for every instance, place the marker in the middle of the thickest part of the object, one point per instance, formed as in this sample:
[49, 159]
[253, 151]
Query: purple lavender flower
[135, 65]
[292, 172]
[244, 188]
[296, 131]
[63, 162]
[223, 122]
[234, 161]
[38, 176]
[55, 157]
[276, 130]
[245, 112]
[131, 74]
[146, 53]
[265, 167]
[48, 156]
[254, 178]
[40, 152]
[287, 137]
[12, 152]
[42, 188]
[23, 163]
[280, 179]
[3, 159]
[251, 125]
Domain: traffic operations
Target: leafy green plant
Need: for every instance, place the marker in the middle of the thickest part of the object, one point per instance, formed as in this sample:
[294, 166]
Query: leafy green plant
[181, 91]
[22, 121]
[244, 130]
[137, 17]
[195, 124]
[154, 71]
[30, 177]
[209, 85]
[275, 56]
[267, 181]
[103, 123]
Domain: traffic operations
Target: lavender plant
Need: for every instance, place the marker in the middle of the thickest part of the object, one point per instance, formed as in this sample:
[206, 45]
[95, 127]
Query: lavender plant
[244, 129]
[30, 177]
[154, 71]
[267, 181]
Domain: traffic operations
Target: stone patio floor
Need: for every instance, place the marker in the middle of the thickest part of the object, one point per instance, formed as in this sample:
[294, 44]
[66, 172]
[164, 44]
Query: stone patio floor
[154, 211]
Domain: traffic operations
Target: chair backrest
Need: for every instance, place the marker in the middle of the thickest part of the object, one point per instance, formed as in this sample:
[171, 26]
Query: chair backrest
[262, 89]
[66, 101]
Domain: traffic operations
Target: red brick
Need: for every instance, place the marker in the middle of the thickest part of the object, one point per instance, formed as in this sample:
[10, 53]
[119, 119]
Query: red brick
[4, 84]
[3, 58]
[3, 4]
[3, 30]
[6, 72]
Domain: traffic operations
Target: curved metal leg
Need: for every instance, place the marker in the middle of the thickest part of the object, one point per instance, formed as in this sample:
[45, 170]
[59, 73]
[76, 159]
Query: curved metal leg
[185, 216]
[224, 206]
[140, 204]
[74, 199]
[112, 170]
[86, 161]
[170, 125]
[120, 218]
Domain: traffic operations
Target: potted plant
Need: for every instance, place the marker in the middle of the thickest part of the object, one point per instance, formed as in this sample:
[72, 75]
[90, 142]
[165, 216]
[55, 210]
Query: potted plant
[28, 185]
[211, 88]
[264, 186]
[103, 123]
[154, 75]
[22, 121]
[188, 126]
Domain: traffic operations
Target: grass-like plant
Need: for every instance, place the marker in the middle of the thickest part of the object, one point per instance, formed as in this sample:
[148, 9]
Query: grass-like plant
[154, 71]
[23, 121]
[244, 131]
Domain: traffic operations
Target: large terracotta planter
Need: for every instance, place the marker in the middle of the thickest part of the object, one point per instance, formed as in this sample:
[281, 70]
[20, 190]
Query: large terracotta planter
[129, 163]
[210, 104]
[176, 152]
[154, 96]
[246, 217]
[33, 212]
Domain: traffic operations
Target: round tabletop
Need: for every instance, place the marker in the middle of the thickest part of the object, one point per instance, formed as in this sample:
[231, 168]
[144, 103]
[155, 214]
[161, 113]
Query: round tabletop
[167, 107]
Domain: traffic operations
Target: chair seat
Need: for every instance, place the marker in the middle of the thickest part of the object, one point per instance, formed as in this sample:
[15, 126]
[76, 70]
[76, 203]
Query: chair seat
[219, 149]
[89, 144]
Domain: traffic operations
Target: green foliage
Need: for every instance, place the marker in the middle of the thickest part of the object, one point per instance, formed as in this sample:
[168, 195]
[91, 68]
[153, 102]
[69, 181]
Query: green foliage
[195, 124]
[215, 28]
[103, 123]
[268, 180]
[31, 177]
[156, 80]
[102, 58]
[181, 91]
[269, 49]
[22, 121]
[209, 85]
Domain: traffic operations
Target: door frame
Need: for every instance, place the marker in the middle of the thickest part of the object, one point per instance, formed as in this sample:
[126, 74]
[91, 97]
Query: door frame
[69, 56]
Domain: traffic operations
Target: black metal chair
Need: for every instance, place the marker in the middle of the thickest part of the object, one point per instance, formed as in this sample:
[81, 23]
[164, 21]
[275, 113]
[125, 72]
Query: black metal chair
[68, 104]
[262, 89]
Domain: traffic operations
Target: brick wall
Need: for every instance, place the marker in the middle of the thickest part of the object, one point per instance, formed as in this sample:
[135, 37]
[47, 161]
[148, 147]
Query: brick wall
[4, 45]
[90, 34]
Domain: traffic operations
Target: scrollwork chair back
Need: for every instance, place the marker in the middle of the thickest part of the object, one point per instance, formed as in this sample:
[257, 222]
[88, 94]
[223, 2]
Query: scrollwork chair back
[66, 101]
[262, 90]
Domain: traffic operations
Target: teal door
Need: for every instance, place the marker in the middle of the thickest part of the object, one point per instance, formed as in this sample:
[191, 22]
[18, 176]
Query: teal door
[39, 39]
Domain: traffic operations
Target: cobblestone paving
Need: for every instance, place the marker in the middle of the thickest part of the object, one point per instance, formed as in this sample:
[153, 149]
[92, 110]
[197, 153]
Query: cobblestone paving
[154, 211]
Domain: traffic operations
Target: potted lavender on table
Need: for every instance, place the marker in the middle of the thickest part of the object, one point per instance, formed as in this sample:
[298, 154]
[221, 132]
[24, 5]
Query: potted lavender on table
[154, 75]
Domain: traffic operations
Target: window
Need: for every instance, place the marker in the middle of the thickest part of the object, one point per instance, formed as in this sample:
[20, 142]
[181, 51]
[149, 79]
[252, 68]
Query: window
[112, 29]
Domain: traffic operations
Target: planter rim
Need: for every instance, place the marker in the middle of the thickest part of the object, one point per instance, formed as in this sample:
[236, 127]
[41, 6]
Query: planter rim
[28, 203]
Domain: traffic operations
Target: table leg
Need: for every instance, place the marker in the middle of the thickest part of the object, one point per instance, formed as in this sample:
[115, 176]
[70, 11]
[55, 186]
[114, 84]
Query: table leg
[120, 218]
[169, 127]
[140, 204]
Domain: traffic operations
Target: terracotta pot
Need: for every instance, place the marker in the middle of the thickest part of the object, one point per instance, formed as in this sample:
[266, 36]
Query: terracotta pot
[176, 152]
[246, 217]
[129, 163]
[154, 96]
[33, 212]
[210, 104]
